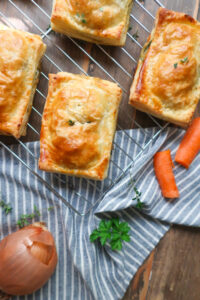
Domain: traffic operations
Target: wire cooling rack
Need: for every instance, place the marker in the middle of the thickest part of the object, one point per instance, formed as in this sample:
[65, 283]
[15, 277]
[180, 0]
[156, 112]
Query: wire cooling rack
[68, 54]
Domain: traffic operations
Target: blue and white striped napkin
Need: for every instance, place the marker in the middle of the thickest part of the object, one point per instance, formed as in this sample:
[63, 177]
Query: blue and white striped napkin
[85, 270]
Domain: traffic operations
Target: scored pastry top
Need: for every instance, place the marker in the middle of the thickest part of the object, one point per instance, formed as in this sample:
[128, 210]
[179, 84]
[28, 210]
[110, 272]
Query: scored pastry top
[167, 82]
[20, 54]
[78, 125]
[104, 22]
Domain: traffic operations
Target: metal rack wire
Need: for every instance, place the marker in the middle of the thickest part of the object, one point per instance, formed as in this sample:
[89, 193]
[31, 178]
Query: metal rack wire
[100, 189]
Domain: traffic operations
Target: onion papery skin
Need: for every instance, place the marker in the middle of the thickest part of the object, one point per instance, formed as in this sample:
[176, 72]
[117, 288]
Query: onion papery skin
[28, 258]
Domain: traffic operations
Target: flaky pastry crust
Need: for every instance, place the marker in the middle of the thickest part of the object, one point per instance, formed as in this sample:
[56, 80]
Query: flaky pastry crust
[104, 22]
[78, 125]
[20, 55]
[167, 82]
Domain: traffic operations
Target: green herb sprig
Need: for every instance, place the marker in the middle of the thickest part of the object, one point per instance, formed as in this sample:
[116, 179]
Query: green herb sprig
[175, 65]
[136, 35]
[50, 208]
[112, 231]
[138, 194]
[147, 46]
[137, 198]
[6, 207]
[81, 17]
[184, 60]
[26, 219]
[71, 123]
[49, 26]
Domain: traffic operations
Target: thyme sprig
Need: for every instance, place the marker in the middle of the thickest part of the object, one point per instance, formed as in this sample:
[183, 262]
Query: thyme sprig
[27, 218]
[6, 207]
[138, 194]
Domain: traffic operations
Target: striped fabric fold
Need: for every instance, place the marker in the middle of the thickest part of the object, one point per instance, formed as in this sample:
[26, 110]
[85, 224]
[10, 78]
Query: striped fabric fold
[85, 270]
[184, 210]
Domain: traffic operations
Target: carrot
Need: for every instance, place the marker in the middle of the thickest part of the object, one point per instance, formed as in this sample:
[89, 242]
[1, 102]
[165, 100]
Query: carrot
[190, 144]
[163, 169]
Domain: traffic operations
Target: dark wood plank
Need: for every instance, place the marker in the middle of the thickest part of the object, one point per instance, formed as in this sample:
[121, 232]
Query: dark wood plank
[139, 286]
[175, 272]
[190, 7]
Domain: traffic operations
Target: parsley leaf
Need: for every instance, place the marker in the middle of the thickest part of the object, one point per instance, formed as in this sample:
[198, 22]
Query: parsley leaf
[115, 236]
[94, 235]
[112, 231]
[6, 207]
[124, 228]
[116, 223]
[116, 244]
[104, 236]
[125, 237]
[130, 28]
[105, 225]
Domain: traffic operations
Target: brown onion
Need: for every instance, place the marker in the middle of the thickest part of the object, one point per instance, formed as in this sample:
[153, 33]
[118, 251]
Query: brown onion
[27, 259]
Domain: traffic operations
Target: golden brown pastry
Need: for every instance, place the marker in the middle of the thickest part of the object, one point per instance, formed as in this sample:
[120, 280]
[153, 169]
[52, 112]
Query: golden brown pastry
[20, 54]
[167, 82]
[104, 22]
[78, 125]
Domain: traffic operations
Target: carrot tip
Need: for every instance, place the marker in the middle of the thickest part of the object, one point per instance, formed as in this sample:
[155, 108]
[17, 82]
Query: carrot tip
[170, 194]
[190, 144]
[182, 163]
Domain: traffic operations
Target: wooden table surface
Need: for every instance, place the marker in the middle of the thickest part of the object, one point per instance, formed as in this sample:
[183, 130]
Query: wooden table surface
[172, 271]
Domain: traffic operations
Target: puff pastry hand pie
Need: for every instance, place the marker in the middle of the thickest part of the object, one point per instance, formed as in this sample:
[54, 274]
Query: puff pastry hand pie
[104, 22]
[167, 81]
[20, 54]
[78, 125]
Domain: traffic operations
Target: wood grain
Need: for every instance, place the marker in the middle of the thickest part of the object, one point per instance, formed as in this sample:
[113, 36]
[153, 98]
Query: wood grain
[139, 286]
[189, 7]
[175, 272]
